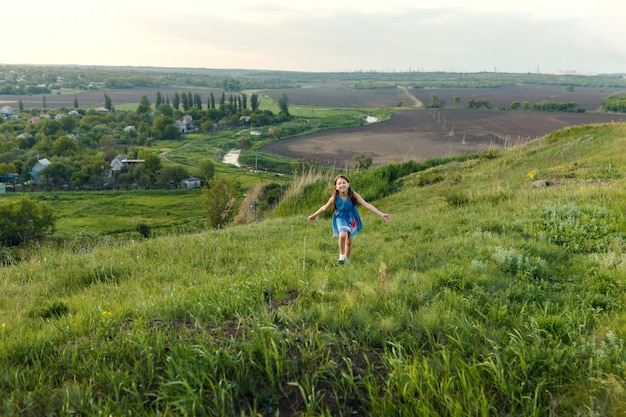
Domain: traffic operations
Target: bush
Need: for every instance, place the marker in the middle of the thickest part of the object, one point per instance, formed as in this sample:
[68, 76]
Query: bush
[24, 220]
[578, 229]
[220, 196]
[518, 265]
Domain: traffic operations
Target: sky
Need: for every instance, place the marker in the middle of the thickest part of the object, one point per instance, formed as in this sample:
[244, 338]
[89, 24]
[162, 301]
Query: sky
[521, 36]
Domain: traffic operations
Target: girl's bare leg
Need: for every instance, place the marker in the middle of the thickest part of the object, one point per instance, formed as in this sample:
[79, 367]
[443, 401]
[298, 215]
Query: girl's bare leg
[348, 246]
[343, 238]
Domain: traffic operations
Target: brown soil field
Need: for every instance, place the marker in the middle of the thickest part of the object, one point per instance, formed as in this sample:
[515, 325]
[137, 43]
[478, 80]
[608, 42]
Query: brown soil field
[334, 95]
[338, 96]
[589, 98]
[423, 134]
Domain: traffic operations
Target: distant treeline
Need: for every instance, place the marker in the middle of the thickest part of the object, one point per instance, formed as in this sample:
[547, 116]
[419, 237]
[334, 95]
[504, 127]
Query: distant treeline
[545, 106]
[27, 79]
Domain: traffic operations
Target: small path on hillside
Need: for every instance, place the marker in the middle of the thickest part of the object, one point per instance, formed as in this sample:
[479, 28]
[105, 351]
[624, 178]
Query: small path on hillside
[414, 99]
[163, 155]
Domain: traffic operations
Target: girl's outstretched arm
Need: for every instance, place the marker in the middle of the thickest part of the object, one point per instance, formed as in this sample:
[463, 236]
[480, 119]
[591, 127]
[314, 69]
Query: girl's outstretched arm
[322, 209]
[386, 217]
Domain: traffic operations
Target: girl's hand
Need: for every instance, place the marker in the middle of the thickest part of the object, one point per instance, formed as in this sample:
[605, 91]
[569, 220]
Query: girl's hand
[386, 217]
[312, 217]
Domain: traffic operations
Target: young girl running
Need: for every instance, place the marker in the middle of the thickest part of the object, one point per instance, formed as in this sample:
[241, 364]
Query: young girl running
[346, 219]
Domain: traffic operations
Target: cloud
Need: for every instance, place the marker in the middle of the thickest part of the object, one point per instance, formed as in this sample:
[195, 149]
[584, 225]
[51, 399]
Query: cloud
[328, 35]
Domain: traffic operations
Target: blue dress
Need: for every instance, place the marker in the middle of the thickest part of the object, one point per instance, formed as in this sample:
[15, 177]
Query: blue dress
[346, 217]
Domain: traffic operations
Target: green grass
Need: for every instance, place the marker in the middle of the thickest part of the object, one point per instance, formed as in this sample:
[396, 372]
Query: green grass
[119, 212]
[485, 296]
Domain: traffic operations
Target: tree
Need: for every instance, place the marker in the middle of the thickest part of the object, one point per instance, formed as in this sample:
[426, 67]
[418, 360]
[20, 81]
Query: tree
[56, 174]
[108, 104]
[151, 161]
[176, 100]
[283, 104]
[159, 99]
[207, 125]
[197, 101]
[435, 102]
[206, 169]
[362, 162]
[166, 110]
[185, 101]
[64, 145]
[144, 105]
[219, 201]
[171, 175]
[75, 102]
[254, 102]
[163, 127]
[24, 220]
[93, 171]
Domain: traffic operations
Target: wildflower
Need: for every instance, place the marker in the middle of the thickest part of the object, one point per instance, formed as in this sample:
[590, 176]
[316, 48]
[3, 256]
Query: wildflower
[383, 275]
[533, 173]
[106, 313]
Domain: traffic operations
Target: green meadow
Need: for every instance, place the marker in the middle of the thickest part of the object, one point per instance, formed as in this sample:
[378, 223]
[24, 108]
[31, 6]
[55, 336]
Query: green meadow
[486, 296]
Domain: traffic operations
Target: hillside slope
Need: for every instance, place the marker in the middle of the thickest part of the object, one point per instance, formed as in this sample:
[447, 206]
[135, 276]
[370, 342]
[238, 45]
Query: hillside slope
[485, 296]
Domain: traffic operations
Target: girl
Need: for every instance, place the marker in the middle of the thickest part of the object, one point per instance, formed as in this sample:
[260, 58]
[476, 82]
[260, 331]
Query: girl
[346, 219]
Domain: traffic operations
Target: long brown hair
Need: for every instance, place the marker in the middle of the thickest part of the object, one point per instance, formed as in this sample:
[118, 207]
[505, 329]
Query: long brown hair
[336, 192]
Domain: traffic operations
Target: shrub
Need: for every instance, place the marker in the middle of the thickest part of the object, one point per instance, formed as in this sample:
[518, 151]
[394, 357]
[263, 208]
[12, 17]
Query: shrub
[24, 220]
[518, 265]
[144, 229]
[219, 201]
[581, 230]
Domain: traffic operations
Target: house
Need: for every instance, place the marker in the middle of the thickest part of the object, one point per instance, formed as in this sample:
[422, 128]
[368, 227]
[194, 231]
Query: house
[121, 164]
[11, 178]
[181, 126]
[191, 182]
[185, 124]
[6, 112]
[38, 167]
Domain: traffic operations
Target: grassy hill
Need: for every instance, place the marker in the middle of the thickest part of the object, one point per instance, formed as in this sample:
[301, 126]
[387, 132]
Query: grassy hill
[485, 296]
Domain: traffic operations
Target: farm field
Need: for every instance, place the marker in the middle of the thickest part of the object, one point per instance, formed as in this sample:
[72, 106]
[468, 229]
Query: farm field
[335, 95]
[416, 133]
[95, 98]
[589, 98]
[423, 134]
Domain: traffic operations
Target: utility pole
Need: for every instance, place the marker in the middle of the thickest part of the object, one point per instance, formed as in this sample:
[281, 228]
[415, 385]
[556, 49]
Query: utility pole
[254, 209]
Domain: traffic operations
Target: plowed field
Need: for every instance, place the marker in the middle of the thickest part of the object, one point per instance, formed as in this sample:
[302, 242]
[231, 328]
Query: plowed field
[589, 98]
[422, 134]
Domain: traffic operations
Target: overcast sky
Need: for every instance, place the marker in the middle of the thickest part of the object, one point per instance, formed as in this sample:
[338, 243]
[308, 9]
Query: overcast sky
[322, 35]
